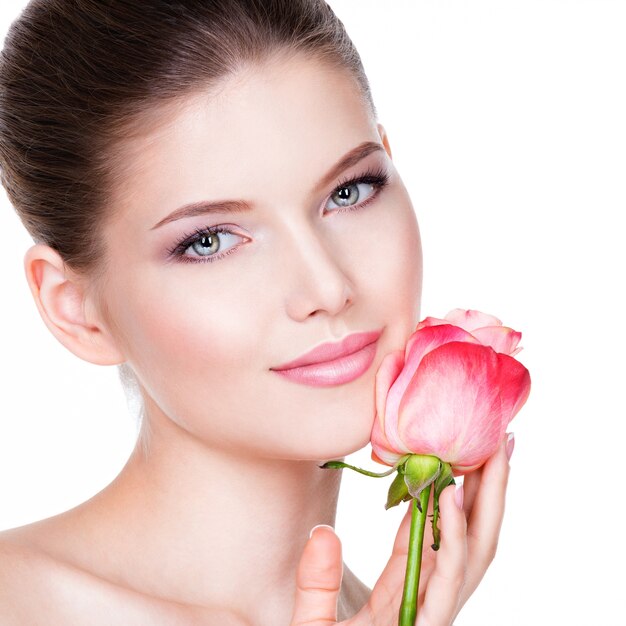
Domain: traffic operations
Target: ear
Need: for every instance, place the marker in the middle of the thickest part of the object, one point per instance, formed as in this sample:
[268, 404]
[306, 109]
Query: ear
[66, 309]
[383, 136]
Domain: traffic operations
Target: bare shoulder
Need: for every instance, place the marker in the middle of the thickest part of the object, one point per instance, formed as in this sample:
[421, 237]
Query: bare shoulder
[37, 589]
[23, 575]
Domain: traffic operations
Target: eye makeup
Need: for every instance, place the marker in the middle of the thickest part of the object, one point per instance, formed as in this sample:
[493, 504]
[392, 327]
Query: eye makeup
[197, 235]
[378, 178]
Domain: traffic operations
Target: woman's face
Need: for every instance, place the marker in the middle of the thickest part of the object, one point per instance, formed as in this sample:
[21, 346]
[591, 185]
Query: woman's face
[311, 260]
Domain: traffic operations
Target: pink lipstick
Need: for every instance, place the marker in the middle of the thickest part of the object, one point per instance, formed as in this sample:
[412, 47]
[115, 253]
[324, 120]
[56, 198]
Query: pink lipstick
[333, 363]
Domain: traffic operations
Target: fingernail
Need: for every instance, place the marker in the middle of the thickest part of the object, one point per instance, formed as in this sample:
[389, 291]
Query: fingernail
[510, 445]
[458, 495]
[319, 526]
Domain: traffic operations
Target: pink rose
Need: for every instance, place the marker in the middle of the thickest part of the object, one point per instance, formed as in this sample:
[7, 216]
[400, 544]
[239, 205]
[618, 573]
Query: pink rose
[451, 392]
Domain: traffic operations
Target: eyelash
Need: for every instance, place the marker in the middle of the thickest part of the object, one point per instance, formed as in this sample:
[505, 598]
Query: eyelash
[378, 178]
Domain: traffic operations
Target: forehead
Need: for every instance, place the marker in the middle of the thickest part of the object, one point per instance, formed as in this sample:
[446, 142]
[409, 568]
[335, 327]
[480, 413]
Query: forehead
[283, 117]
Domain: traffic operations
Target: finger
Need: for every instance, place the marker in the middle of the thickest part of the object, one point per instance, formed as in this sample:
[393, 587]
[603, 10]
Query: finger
[401, 544]
[400, 551]
[487, 514]
[318, 580]
[442, 594]
[384, 601]
[471, 484]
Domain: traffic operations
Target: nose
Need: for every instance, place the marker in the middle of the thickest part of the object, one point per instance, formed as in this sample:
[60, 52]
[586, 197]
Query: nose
[317, 274]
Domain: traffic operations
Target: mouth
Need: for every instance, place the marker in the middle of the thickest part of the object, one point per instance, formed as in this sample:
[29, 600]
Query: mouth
[329, 352]
[347, 365]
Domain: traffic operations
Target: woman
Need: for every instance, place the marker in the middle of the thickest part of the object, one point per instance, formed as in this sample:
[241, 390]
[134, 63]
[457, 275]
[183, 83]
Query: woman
[206, 183]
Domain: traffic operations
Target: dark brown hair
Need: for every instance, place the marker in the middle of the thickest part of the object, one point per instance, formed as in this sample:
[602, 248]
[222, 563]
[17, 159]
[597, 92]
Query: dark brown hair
[76, 76]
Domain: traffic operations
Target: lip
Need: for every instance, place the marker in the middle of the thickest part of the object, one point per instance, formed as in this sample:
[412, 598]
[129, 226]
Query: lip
[329, 352]
[336, 372]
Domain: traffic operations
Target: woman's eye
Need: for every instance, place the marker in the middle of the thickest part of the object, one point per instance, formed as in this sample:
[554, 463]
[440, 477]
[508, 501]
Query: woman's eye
[349, 195]
[359, 191]
[206, 245]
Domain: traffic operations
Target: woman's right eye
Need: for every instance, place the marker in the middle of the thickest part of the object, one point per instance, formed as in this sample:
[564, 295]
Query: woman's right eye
[205, 244]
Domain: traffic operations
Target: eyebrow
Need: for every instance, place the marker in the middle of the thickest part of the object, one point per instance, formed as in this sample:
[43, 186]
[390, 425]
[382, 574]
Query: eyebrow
[238, 206]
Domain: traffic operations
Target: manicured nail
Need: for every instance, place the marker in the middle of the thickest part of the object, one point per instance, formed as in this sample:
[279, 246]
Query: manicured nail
[319, 526]
[510, 445]
[458, 495]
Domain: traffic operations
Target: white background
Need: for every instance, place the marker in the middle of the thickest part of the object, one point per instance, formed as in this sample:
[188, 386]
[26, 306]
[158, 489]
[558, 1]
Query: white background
[507, 122]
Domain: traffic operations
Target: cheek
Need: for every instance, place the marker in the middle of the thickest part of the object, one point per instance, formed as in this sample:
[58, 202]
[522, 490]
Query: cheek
[409, 268]
[190, 341]
[390, 266]
[404, 268]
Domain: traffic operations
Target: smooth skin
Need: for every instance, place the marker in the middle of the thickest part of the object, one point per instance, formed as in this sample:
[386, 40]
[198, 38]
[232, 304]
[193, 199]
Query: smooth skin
[208, 522]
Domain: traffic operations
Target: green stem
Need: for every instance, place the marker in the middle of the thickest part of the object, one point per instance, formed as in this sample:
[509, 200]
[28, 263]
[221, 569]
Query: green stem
[408, 607]
[341, 465]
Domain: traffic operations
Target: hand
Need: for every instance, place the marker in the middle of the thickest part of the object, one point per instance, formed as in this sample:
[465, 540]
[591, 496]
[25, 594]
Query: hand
[448, 577]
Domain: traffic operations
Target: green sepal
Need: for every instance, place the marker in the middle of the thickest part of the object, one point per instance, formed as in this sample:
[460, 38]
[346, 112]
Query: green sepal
[421, 470]
[444, 479]
[398, 491]
[400, 463]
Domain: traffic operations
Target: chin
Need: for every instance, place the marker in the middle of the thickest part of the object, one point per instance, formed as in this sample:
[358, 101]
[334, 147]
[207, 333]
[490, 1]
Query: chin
[339, 448]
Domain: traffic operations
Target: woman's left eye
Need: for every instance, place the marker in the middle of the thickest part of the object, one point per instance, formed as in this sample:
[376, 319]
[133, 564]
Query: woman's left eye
[357, 192]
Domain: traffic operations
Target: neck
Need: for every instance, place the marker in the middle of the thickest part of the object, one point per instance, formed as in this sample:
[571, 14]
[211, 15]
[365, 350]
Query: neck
[204, 527]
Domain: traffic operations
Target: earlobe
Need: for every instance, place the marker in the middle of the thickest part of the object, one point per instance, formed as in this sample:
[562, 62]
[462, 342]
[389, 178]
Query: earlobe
[60, 299]
[384, 138]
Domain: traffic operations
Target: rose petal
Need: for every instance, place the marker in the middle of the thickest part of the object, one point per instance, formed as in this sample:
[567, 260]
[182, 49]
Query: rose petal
[382, 451]
[470, 319]
[420, 343]
[514, 387]
[427, 339]
[452, 407]
[430, 321]
[386, 374]
[385, 423]
[501, 338]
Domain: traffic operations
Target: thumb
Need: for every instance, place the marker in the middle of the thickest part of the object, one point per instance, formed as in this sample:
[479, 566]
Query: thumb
[318, 579]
